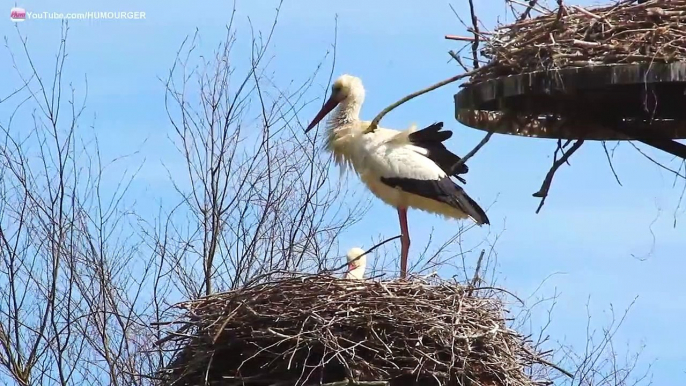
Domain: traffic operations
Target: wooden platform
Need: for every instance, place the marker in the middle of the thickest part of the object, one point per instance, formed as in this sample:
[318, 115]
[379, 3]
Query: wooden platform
[607, 102]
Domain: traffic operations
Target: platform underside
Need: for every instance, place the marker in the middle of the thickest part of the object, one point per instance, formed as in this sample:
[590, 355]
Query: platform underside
[609, 102]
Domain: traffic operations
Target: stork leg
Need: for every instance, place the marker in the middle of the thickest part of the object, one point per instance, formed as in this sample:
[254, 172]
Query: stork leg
[404, 242]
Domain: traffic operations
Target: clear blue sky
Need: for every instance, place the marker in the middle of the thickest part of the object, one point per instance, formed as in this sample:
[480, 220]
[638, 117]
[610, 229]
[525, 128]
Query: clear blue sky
[601, 240]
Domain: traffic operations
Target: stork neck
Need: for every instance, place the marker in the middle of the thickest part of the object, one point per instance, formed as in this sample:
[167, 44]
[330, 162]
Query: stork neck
[347, 112]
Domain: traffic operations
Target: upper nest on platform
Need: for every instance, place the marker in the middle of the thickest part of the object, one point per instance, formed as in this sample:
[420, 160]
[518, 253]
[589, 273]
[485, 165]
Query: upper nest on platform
[314, 329]
[572, 36]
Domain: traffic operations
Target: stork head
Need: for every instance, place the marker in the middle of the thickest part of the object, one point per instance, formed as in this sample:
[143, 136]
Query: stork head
[357, 262]
[345, 89]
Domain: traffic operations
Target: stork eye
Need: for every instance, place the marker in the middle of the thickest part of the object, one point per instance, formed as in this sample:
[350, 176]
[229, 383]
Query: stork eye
[336, 88]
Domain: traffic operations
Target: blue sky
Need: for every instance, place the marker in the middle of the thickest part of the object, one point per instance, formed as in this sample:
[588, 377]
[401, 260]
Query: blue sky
[602, 240]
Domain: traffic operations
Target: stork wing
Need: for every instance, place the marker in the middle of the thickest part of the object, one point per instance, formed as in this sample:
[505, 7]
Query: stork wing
[442, 190]
[431, 140]
[402, 167]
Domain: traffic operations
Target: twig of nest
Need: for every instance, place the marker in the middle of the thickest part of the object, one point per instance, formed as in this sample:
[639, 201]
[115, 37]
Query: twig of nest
[323, 330]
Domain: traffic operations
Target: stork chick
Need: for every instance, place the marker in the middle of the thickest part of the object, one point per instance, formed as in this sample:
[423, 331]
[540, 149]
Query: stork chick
[357, 263]
[405, 169]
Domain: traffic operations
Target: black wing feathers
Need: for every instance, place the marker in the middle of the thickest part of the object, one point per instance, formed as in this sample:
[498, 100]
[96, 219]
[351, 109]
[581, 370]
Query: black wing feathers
[444, 190]
[431, 138]
[431, 134]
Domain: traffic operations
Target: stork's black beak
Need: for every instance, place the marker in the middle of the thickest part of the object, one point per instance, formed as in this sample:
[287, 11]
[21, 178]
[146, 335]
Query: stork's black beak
[328, 106]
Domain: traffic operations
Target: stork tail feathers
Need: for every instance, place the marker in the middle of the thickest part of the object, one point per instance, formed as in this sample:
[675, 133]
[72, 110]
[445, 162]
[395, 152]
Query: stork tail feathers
[473, 209]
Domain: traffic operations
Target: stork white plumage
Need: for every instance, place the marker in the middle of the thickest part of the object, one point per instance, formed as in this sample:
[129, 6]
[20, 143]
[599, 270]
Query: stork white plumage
[405, 169]
[357, 263]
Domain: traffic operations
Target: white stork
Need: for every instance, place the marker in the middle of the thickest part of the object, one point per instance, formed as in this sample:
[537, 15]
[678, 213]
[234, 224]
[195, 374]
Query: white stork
[405, 169]
[357, 263]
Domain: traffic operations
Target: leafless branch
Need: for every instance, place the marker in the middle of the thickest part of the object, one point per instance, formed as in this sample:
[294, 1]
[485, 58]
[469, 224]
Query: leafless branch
[545, 187]
[409, 97]
[472, 152]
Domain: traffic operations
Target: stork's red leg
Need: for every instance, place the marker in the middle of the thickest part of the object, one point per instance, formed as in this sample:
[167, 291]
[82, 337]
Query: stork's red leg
[404, 241]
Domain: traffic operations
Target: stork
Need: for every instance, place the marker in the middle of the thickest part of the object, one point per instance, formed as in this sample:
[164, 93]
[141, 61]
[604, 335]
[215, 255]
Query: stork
[357, 263]
[405, 169]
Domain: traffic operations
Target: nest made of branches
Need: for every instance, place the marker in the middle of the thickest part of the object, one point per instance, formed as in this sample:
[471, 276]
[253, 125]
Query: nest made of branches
[572, 36]
[320, 329]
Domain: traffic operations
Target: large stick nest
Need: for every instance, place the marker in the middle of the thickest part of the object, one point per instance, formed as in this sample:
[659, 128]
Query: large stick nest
[572, 36]
[320, 329]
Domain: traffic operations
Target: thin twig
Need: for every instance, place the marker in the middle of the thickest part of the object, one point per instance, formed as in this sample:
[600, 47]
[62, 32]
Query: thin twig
[545, 187]
[476, 279]
[460, 38]
[471, 153]
[609, 161]
[355, 259]
[527, 11]
[651, 159]
[547, 363]
[457, 59]
[475, 27]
